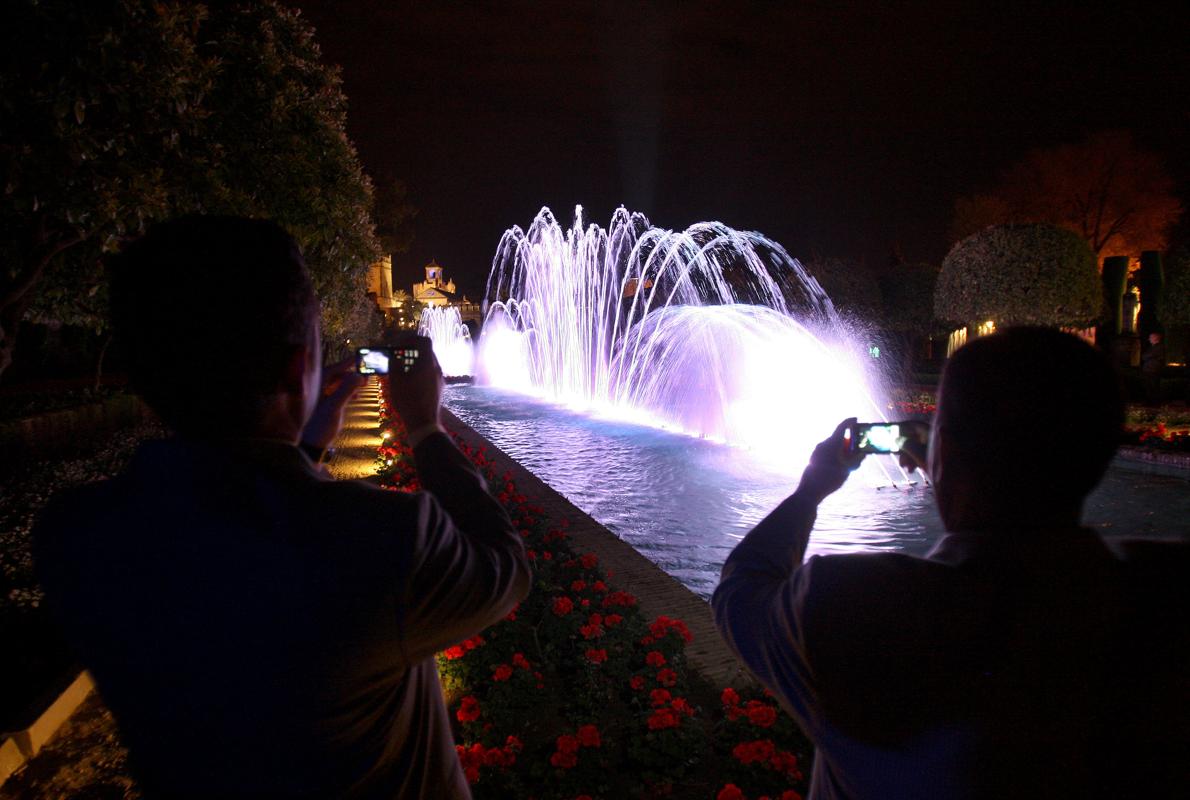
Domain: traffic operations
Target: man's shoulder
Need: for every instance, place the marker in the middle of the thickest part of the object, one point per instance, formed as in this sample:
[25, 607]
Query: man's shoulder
[856, 576]
[882, 596]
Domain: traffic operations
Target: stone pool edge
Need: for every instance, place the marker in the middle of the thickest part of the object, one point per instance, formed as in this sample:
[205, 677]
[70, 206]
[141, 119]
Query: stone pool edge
[657, 592]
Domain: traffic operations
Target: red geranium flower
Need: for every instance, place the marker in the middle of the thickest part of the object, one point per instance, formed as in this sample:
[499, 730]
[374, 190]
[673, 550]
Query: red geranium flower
[563, 606]
[567, 743]
[667, 677]
[588, 736]
[453, 652]
[619, 599]
[730, 697]
[659, 697]
[502, 672]
[760, 714]
[663, 625]
[589, 561]
[612, 620]
[784, 761]
[519, 660]
[759, 751]
[468, 709]
[564, 760]
[655, 658]
[637, 682]
[578, 586]
[596, 656]
[663, 718]
[730, 792]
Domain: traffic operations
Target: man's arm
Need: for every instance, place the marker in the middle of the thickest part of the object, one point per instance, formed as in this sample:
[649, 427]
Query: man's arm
[758, 603]
[468, 567]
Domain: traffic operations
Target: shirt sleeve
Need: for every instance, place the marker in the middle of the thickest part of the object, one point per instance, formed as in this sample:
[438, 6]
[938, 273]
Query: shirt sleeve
[468, 567]
[759, 603]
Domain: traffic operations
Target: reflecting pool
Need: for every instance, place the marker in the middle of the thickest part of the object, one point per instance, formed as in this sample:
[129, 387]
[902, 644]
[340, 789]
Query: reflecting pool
[684, 502]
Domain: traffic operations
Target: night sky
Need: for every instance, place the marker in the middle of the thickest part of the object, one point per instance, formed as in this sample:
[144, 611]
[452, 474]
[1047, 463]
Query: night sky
[838, 129]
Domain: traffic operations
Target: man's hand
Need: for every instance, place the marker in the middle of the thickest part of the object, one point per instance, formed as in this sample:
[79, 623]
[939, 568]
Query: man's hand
[830, 464]
[417, 395]
[339, 384]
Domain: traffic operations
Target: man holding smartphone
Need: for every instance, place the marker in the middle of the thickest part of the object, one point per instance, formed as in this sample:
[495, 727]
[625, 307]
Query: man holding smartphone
[1022, 657]
[257, 629]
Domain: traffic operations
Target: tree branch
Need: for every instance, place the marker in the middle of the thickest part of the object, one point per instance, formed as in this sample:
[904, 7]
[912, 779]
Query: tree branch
[43, 252]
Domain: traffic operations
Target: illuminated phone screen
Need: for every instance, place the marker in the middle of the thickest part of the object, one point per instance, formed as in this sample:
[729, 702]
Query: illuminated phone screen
[880, 439]
[372, 362]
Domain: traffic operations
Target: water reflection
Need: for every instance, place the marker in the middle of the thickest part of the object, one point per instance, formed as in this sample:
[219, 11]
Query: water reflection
[684, 503]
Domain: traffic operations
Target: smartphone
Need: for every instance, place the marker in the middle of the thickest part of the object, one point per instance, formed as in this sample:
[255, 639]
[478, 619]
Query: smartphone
[875, 437]
[379, 360]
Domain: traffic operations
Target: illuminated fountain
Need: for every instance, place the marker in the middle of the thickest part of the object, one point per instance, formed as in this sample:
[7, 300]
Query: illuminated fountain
[617, 361]
[452, 339]
[713, 332]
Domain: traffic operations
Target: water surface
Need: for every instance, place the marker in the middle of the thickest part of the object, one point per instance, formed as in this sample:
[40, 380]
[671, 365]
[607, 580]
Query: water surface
[685, 502]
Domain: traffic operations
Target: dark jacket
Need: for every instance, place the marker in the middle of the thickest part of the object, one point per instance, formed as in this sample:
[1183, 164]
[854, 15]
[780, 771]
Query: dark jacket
[1004, 664]
[260, 630]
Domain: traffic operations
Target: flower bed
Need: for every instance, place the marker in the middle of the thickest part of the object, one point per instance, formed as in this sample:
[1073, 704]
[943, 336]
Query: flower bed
[575, 694]
[911, 404]
[36, 661]
[1159, 437]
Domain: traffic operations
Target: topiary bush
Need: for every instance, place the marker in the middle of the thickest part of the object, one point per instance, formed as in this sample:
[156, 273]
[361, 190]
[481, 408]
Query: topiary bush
[1018, 274]
[1176, 308]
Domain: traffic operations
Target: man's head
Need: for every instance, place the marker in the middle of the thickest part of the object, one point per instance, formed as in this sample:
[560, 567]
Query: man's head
[217, 319]
[1155, 337]
[1027, 422]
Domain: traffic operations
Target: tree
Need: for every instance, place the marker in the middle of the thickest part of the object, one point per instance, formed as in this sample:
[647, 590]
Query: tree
[907, 301]
[152, 109]
[1020, 275]
[89, 140]
[1117, 198]
[1176, 310]
[850, 285]
[278, 148]
[394, 214]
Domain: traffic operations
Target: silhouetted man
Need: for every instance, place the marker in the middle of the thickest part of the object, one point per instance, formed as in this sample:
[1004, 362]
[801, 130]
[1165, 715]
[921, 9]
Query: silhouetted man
[1022, 657]
[1152, 364]
[258, 629]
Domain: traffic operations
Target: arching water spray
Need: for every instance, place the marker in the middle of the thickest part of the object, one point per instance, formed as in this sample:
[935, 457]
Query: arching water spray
[452, 339]
[715, 332]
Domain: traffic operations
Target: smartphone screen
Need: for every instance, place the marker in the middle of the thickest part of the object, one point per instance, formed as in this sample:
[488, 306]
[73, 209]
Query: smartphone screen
[369, 361]
[877, 437]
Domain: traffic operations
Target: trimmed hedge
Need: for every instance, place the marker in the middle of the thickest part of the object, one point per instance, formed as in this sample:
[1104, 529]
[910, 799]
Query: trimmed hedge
[1018, 274]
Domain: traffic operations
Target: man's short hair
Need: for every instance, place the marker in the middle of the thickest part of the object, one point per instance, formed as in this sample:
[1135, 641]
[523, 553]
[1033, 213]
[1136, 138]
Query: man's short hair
[1036, 414]
[207, 311]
